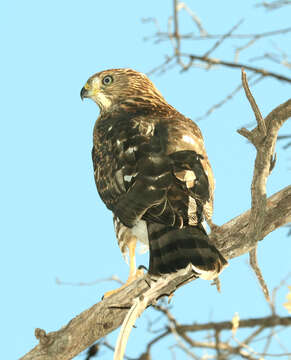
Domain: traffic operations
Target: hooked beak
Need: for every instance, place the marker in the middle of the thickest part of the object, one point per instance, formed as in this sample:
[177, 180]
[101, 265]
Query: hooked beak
[86, 91]
[83, 93]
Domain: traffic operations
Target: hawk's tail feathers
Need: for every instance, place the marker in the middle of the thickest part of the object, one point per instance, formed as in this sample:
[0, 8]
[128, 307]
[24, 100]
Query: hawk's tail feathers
[172, 249]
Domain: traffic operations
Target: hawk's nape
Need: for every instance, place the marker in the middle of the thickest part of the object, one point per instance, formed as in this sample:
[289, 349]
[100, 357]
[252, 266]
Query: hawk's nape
[152, 171]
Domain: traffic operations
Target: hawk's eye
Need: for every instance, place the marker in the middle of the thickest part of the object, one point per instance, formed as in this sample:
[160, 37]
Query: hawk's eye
[107, 80]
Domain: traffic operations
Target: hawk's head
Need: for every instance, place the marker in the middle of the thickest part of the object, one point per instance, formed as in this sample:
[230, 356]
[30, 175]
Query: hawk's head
[114, 88]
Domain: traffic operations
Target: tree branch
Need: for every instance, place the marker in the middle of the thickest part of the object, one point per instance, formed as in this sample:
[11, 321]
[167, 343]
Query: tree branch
[232, 239]
[214, 61]
[264, 138]
[258, 272]
[107, 315]
[182, 330]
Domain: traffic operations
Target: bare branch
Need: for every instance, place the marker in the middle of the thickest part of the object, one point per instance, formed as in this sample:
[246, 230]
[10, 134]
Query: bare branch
[89, 283]
[194, 18]
[281, 59]
[231, 239]
[105, 316]
[221, 40]
[176, 27]
[265, 146]
[214, 61]
[187, 60]
[257, 270]
[273, 5]
[253, 335]
[162, 36]
[227, 98]
[267, 322]
[205, 61]
[239, 49]
[256, 110]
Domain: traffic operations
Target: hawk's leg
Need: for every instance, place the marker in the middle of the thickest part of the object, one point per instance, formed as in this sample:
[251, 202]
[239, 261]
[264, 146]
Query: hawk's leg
[134, 273]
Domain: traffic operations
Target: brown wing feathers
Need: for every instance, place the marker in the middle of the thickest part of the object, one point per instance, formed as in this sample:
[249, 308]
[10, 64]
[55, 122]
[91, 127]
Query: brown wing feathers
[150, 164]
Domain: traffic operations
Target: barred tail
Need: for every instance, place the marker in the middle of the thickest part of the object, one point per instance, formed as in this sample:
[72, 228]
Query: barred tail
[172, 249]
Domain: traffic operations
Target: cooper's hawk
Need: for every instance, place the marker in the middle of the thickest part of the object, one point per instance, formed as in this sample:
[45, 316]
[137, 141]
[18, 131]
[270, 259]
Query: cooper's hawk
[152, 171]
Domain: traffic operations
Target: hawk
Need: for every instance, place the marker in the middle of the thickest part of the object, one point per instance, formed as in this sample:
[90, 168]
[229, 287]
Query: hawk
[152, 171]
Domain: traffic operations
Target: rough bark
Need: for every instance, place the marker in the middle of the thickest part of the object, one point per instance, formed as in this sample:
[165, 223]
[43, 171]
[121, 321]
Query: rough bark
[107, 315]
[238, 236]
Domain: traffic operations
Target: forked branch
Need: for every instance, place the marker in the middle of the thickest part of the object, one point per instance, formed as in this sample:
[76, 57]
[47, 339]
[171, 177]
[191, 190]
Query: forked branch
[107, 315]
[232, 239]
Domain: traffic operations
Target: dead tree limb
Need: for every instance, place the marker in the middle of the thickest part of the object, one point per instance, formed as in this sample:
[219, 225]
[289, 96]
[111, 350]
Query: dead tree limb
[107, 315]
[232, 239]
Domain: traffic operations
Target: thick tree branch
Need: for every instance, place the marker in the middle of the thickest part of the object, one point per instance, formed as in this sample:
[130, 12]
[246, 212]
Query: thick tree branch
[264, 138]
[238, 236]
[107, 315]
[232, 239]
[265, 161]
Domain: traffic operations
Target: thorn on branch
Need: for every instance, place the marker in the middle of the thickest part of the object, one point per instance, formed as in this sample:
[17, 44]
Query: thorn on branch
[273, 162]
[247, 134]
[42, 336]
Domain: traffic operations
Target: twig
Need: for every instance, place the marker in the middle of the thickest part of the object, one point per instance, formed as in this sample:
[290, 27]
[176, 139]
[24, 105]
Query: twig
[89, 283]
[268, 340]
[192, 36]
[275, 58]
[256, 110]
[227, 98]
[176, 28]
[167, 313]
[258, 273]
[275, 4]
[181, 345]
[182, 330]
[221, 40]
[275, 290]
[214, 61]
[253, 335]
[239, 49]
[194, 18]
[217, 342]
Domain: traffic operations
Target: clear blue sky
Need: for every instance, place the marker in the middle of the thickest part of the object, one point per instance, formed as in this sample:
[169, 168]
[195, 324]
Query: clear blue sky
[53, 223]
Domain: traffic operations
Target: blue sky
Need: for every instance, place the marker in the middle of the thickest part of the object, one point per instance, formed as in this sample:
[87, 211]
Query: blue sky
[53, 222]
